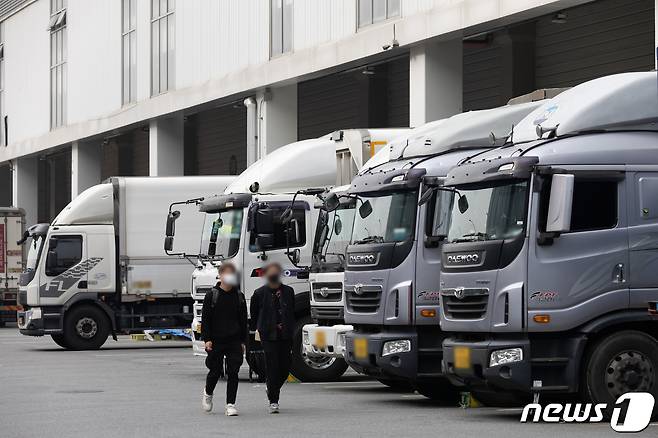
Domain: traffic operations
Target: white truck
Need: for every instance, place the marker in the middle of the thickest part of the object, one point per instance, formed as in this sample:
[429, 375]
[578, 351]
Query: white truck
[12, 259]
[244, 224]
[100, 268]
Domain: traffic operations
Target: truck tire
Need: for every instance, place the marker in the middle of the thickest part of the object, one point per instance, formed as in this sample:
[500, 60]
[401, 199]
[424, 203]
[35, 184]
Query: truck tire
[397, 385]
[501, 399]
[439, 390]
[625, 361]
[309, 369]
[59, 340]
[86, 328]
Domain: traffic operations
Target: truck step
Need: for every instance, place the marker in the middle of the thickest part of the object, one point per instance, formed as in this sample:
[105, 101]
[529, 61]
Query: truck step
[549, 361]
[429, 375]
[559, 388]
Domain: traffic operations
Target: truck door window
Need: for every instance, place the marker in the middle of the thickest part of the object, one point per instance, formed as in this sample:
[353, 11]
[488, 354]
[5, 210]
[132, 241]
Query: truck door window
[438, 214]
[594, 205]
[281, 231]
[66, 254]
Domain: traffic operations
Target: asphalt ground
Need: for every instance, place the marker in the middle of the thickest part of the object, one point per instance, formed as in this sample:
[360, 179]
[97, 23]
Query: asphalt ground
[153, 389]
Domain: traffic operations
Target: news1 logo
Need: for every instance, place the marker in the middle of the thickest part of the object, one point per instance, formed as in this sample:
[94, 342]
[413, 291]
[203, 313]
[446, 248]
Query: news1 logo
[636, 418]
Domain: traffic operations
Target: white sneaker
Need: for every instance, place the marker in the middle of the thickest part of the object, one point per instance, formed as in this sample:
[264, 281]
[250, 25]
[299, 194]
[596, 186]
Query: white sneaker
[206, 402]
[231, 411]
[274, 408]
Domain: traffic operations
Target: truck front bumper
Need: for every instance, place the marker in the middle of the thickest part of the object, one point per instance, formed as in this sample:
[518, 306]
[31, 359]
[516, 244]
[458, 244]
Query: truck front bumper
[30, 322]
[472, 367]
[321, 341]
[399, 365]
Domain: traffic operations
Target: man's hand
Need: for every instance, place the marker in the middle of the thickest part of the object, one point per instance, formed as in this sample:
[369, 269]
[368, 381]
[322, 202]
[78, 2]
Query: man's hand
[208, 345]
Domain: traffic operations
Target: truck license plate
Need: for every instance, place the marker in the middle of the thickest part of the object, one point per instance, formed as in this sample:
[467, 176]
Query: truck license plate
[462, 357]
[361, 348]
[320, 340]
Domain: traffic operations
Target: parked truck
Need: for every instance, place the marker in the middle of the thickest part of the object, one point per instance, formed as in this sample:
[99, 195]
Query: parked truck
[550, 263]
[391, 297]
[244, 225]
[12, 259]
[100, 268]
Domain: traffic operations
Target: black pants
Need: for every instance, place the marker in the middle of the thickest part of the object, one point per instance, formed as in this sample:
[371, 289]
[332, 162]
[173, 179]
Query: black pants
[278, 356]
[232, 353]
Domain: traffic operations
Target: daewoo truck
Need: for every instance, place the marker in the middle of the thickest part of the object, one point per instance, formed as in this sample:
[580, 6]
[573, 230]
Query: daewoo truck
[99, 268]
[244, 225]
[12, 259]
[551, 257]
[326, 336]
[391, 297]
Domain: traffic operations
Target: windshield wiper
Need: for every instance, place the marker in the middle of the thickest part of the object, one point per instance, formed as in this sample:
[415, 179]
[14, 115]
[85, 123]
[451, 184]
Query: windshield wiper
[370, 239]
[472, 237]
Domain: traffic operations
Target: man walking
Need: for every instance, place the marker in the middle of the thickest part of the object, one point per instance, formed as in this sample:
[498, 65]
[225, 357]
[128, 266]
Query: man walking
[224, 331]
[273, 314]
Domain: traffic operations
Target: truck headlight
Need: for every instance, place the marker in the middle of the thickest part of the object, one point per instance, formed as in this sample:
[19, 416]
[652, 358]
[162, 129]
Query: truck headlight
[508, 355]
[305, 338]
[394, 347]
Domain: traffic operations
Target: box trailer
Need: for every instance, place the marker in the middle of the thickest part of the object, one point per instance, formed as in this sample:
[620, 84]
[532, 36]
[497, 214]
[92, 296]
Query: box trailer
[12, 222]
[100, 267]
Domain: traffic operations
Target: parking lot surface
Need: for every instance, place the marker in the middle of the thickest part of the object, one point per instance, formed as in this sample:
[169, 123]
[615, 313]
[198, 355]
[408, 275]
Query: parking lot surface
[142, 389]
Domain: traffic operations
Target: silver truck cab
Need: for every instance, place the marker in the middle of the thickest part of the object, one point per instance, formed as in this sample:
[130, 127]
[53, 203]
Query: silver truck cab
[551, 257]
[391, 295]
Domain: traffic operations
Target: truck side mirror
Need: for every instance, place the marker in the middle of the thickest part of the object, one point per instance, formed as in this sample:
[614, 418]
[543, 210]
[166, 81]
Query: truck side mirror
[169, 244]
[51, 260]
[331, 202]
[365, 210]
[52, 244]
[171, 223]
[294, 227]
[462, 204]
[560, 204]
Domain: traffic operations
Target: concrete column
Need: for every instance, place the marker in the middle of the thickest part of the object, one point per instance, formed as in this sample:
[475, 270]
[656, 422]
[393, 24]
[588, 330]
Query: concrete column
[166, 146]
[25, 192]
[518, 52]
[435, 81]
[277, 118]
[85, 166]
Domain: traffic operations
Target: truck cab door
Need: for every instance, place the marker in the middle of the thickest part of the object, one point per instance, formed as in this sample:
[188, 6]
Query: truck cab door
[63, 272]
[255, 257]
[643, 244]
[589, 263]
[432, 226]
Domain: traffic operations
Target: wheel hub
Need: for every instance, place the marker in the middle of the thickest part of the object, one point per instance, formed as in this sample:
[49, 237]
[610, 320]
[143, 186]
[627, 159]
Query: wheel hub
[319, 362]
[86, 328]
[630, 371]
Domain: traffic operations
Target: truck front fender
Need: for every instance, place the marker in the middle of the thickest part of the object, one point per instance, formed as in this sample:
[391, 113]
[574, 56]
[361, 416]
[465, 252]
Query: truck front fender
[617, 318]
[92, 298]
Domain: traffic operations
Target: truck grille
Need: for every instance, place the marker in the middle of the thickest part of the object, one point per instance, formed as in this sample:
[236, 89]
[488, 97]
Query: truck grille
[465, 303]
[327, 313]
[327, 292]
[363, 299]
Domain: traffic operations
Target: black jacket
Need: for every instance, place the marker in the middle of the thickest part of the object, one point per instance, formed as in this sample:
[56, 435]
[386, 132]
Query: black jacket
[226, 321]
[264, 316]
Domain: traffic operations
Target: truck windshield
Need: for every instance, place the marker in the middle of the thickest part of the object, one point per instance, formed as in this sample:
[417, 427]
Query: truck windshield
[492, 213]
[334, 234]
[391, 220]
[33, 253]
[221, 234]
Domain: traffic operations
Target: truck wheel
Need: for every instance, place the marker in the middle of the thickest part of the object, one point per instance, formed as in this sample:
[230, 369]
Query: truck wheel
[59, 340]
[397, 385]
[439, 390]
[86, 328]
[626, 361]
[313, 369]
[501, 399]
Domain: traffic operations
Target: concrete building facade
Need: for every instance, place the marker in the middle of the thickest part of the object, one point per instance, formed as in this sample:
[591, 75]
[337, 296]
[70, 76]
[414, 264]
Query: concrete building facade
[95, 88]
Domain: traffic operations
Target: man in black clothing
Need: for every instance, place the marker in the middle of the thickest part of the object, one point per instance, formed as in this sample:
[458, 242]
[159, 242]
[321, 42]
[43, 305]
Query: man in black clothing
[224, 330]
[273, 315]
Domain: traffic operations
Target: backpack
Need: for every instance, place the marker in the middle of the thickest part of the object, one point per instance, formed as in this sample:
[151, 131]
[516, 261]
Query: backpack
[215, 297]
